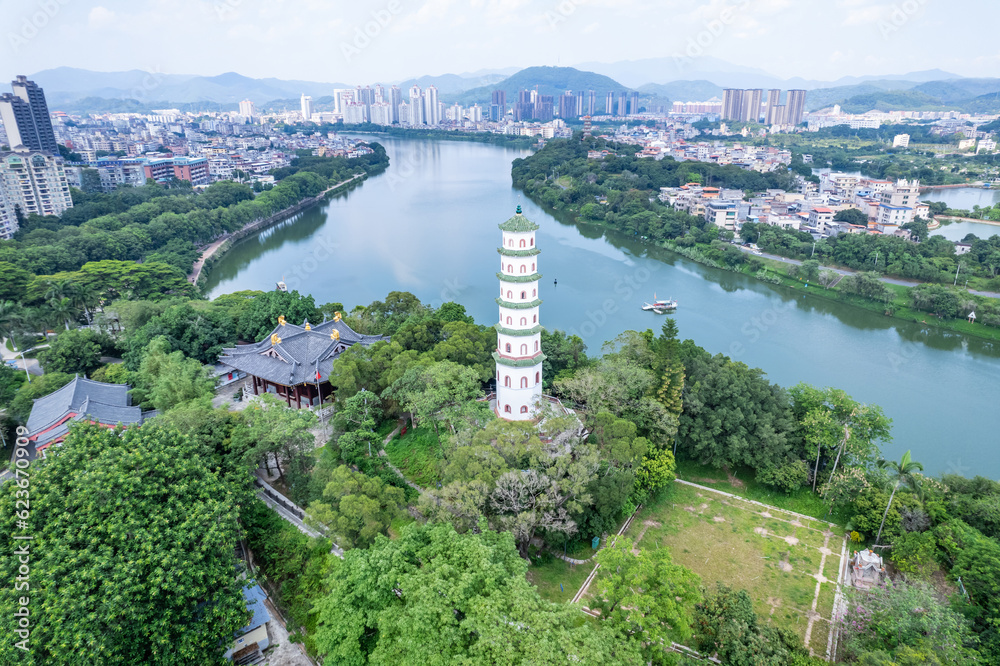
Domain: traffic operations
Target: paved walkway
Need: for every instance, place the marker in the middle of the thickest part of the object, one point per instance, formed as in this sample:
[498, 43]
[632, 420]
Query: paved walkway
[848, 271]
[296, 521]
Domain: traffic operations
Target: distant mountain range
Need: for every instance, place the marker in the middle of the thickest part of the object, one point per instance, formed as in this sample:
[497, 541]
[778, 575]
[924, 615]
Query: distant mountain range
[659, 80]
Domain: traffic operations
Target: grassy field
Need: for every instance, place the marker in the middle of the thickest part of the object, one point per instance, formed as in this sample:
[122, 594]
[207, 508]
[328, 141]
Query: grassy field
[417, 454]
[741, 482]
[550, 572]
[789, 565]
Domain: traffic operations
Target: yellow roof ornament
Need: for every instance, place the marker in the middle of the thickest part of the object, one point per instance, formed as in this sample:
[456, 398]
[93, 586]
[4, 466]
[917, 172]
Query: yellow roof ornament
[281, 319]
[308, 327]
[334, 334]
[336, 316]
[275, 340]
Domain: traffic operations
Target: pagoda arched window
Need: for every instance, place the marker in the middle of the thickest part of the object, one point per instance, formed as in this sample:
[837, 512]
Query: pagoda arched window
[524, 269]
[510, 268]
[524, 382]
[522, 242]
[524, 321]
[524, 350]
[509, 320]
[524, 295]
[506, 408]
[510, 295]
[508, 347]
[532, 267]
[506, 380]
[538, 377]
[524, 409]
[534, 319]
[534, 292]
[532, 242]
[536, 345]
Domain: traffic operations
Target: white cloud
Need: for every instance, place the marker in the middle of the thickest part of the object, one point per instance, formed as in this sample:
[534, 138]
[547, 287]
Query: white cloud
[100, 17]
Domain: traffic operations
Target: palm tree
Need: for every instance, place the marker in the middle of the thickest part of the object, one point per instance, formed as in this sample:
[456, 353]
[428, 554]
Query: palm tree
[903, 473]
[83, 295]
[11, 315]
[64, 309]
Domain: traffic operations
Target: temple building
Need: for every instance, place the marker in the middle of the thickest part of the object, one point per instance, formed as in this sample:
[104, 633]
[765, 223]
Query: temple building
[82, 399]
[294, 362]
[518, 355]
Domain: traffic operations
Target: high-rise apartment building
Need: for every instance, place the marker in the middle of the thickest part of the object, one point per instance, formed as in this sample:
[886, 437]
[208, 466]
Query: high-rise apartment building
[567, 105]
[417, 106]
[247, 109]
[591, 106]
[621, 109]
[33, 182]
[732, 102]
[609, 104]
[432, 109]
[750, 107]
[395, 99]
[795, 107]
[306, 107]
[25, 117]
[633, 103]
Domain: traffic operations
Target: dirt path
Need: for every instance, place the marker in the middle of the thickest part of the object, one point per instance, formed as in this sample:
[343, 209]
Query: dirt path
[208, 252]
[284, 652]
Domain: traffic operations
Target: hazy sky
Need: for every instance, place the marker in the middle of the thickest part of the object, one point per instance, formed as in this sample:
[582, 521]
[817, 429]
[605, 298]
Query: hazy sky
[325, 41]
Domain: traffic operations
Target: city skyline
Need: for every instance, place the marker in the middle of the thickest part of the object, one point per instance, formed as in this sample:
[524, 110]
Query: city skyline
[361, 43]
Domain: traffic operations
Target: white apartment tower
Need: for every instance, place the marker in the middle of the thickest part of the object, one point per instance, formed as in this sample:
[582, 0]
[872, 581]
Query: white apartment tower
[417, 116]
[247, 109]
[432, 110]
[519, 334]
[306, 107]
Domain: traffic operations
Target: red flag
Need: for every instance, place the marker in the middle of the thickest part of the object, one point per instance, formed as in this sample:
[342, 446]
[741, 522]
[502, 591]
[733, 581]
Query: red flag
[317, 375]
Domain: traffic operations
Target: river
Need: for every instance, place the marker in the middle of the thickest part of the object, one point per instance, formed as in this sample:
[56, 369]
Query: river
[428, 226]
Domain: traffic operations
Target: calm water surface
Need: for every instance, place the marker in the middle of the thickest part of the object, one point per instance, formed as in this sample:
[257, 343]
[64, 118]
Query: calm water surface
[428, 226]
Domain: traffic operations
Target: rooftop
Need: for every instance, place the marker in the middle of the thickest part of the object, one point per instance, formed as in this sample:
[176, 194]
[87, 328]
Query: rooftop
[518, 223]
[297, 354]
[82, 398]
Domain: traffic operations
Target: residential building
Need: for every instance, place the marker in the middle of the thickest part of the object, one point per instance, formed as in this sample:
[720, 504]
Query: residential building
[395, 99]
[8, 218]
[901, 141]
[252, 640]
[25, 117]
[354, 113]
[795, 106]
[633, 103]
[192, 169]
[432, 108]
[306, 107]
[750, 106]
[247, 109]
[722, 214]
[34, 182]
[417, 116]
[820, 218]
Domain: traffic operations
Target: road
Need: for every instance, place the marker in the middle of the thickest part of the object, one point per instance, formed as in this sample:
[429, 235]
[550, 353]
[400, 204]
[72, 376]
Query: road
[33, 367]
[847, 271]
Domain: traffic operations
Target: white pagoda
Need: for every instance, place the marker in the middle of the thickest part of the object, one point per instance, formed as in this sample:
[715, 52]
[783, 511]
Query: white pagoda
[518, 355]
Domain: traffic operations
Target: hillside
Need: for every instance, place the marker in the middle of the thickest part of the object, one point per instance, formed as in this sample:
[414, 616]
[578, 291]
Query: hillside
[65, 85]
[683, 91]
[549, 80]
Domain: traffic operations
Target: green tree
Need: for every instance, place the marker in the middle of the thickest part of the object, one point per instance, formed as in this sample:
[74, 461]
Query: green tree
[260, 316]
[133, 541]
[437, 597]
[904, 472]
[166, 379]
[356, 507]
[435, 392]
[726, 625]
[11, 380]
[645, 596]
[270, 430]
[74, 352]
[13, 280]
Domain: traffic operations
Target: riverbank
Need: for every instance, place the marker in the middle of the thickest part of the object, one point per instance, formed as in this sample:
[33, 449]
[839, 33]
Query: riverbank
[929, 188]
[214, 252]
[977, 220]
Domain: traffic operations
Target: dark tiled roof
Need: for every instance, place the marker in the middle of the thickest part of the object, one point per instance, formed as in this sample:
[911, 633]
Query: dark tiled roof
[108, 404]
[299, 354]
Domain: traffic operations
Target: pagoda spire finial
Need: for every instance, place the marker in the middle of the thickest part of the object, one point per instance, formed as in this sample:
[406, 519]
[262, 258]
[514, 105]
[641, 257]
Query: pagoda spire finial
[518, 211]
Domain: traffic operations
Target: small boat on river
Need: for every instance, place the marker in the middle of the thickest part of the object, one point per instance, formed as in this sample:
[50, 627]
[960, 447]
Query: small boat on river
[660, 305]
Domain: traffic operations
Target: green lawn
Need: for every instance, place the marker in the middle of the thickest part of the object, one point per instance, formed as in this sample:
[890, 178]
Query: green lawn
[802, 501]
[551, 572]
[775, 557]
[417, 454]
